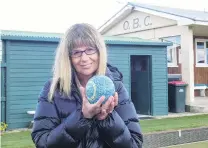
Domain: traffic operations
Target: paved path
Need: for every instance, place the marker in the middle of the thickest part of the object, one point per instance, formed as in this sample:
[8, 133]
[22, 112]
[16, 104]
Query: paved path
[202, 144]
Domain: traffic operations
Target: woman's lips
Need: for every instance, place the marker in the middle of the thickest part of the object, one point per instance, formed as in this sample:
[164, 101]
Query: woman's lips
[86, 65]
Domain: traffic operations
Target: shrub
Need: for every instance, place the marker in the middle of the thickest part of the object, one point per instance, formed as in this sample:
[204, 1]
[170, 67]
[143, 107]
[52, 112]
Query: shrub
[3, 127]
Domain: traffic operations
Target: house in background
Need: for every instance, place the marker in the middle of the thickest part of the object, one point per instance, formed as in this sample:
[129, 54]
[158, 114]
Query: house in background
[186, 29]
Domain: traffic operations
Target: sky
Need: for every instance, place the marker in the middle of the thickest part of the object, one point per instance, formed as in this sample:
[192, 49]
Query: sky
[58, 15]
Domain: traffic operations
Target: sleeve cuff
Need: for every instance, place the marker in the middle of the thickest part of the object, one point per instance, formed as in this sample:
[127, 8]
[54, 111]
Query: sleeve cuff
[76, 125]
[113, 125]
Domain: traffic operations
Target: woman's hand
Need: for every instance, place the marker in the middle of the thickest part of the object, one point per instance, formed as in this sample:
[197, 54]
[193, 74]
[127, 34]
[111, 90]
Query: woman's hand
[108, 107]
[90, 110]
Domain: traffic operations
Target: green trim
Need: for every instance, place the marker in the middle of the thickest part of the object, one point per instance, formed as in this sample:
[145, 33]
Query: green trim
[3, 95]
[151, 85]
[3, 85]
[166, 61]
[2, 65]
[3, 60]
[1, 50]
[201, 85]
[55, 37]
[7, 77]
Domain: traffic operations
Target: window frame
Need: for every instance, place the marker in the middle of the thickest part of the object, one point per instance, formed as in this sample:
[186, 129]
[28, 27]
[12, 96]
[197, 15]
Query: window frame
[205, 50]
[174, 62]
[175, 51]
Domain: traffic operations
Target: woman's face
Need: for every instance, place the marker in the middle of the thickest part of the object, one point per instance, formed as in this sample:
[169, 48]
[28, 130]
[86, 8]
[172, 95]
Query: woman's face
[85, 60]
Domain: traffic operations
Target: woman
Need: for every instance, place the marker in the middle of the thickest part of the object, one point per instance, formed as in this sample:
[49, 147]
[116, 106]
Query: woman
[64, 118]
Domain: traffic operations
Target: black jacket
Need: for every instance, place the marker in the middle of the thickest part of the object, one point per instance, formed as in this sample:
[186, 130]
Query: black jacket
[61, 124]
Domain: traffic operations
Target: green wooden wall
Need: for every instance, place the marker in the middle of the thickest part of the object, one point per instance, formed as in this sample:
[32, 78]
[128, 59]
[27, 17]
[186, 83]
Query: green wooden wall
[28, 67]
[120, 57]
[29, 61]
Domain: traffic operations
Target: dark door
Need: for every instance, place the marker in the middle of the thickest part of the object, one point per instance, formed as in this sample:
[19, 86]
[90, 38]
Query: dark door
[141, 84]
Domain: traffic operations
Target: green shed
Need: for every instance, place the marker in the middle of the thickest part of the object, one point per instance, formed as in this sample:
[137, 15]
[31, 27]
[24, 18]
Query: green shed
[27, 58]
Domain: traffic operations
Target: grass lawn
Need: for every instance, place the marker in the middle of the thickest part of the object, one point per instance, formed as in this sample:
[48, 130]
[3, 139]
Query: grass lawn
[154, 125]
[17, 140]
[23, 139]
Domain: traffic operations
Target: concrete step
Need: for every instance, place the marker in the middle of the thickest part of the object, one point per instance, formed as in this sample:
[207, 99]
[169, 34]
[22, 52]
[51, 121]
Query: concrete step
[142, 117]
[196, 109]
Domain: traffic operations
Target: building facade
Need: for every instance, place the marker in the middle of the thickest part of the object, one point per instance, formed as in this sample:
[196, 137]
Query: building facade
[187, 57]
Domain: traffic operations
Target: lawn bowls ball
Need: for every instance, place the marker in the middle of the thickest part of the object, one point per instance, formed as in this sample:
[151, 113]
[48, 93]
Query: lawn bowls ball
[98, 86]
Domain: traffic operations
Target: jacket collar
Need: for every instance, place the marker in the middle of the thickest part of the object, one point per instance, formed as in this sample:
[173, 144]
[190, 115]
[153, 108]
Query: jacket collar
[113, 73]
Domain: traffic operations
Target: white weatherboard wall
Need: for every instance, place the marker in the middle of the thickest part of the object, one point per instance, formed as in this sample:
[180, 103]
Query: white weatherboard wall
[139, 21]
[156, 32]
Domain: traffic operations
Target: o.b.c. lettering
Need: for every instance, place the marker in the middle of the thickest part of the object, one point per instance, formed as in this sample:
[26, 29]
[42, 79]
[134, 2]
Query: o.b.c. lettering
[147, 21]
[126, 25]
[136, 23]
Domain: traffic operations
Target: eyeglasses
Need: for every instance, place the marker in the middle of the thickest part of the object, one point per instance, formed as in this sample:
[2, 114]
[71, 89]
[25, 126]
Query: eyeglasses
[78, 53]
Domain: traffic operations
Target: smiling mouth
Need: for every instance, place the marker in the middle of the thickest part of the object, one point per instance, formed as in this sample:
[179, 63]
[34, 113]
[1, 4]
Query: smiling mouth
[87, 65]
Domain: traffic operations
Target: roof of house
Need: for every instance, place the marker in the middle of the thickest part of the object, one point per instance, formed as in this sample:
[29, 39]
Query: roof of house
[55, 37]
[190, 14]
[182, 16]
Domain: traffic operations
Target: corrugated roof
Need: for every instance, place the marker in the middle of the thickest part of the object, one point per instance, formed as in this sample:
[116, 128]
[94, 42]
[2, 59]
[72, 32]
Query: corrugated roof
[26, 35]
[132, 40]
[29, 34]
[40, 36]
[190, 14]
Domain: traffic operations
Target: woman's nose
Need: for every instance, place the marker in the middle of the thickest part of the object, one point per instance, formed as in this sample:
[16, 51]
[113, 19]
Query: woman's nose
[84, 56]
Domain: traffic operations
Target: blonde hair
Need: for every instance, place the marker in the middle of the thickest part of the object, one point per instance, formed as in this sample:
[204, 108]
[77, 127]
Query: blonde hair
[75, 36]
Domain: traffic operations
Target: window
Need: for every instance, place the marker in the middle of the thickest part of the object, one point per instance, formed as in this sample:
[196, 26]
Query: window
[172, 50]
[170, 54]
[201, 53]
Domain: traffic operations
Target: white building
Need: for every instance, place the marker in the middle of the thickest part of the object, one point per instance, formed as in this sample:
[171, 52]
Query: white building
[187, 29]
